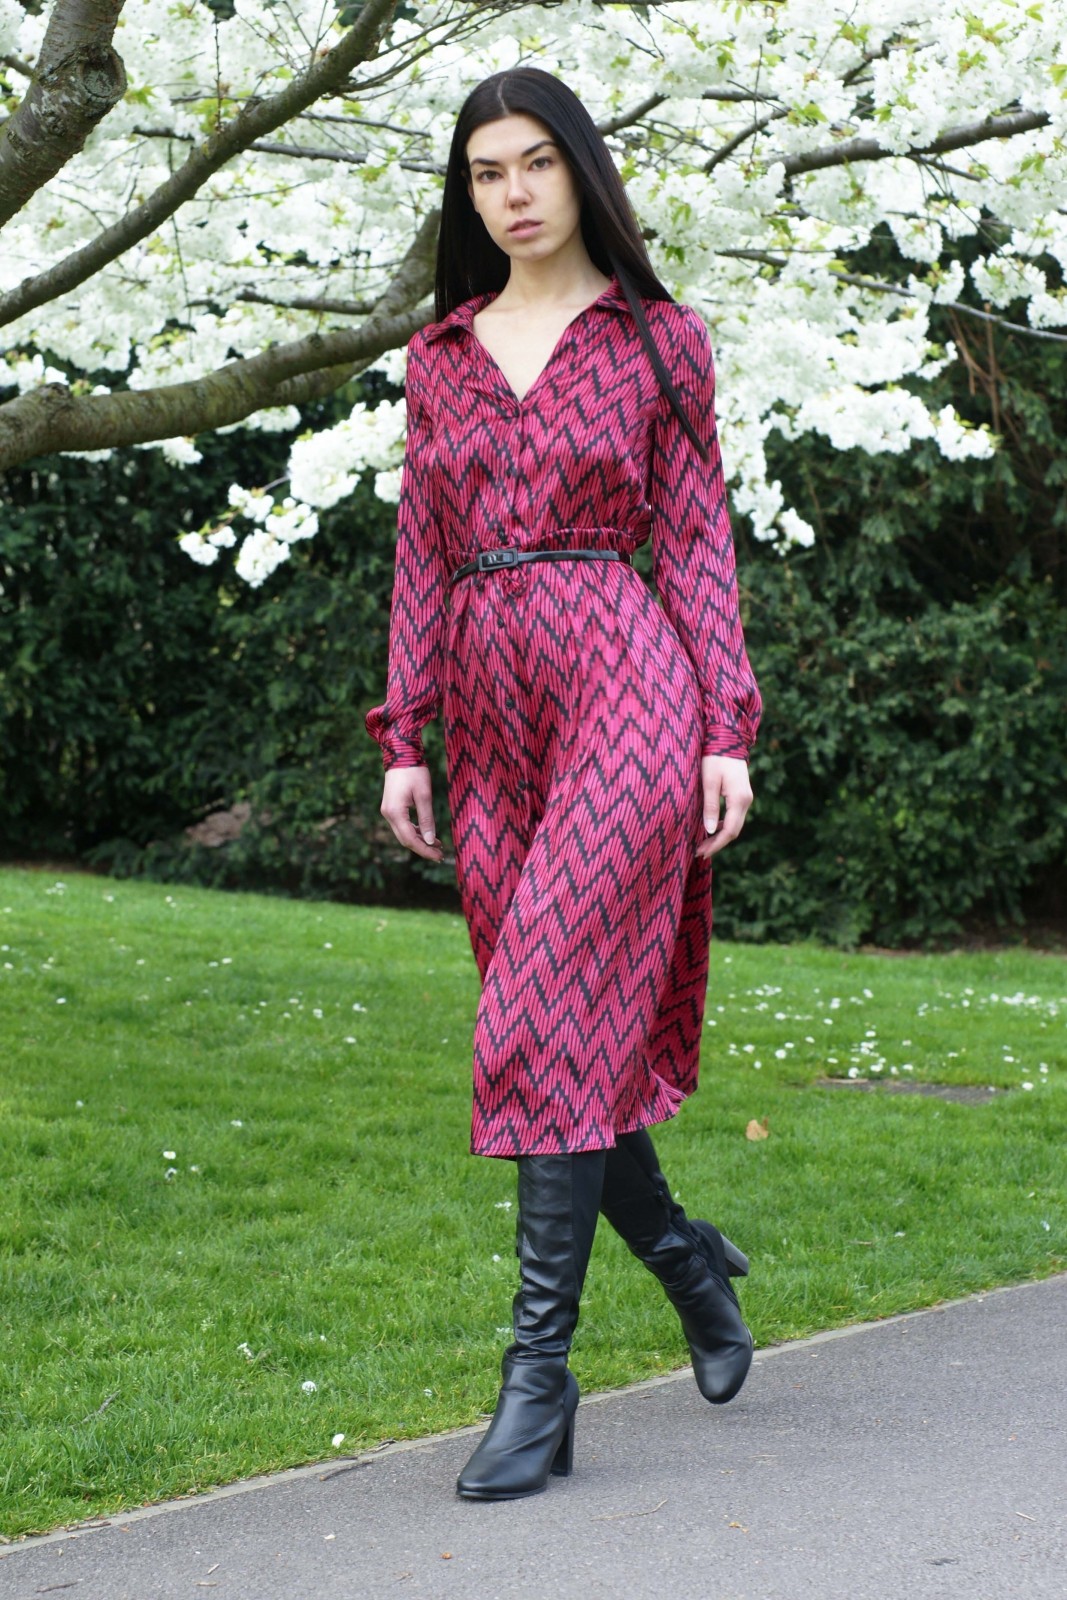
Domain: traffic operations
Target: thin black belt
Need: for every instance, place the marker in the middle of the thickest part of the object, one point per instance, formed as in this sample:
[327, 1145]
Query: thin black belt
[505, 556]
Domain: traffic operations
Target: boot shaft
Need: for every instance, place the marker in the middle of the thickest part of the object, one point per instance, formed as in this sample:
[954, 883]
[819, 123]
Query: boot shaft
[558, 1206]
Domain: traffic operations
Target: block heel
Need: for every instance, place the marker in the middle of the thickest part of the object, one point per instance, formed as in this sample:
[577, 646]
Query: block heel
[563, 1464]
[736, 1260]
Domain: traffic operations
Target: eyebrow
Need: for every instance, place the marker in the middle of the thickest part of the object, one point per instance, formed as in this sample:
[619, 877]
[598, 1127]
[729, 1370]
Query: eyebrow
[491, 161]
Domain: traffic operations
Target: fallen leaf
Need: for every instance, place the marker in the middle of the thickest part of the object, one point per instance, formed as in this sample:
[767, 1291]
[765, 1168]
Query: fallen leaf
[446, 1555]
[757, 1130]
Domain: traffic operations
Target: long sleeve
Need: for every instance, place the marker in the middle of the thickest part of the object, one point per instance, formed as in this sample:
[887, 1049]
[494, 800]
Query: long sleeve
[693, 564]
[417, 612]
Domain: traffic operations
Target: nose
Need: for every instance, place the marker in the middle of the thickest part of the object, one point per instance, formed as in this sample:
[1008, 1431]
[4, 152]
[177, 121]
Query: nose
[518, 189]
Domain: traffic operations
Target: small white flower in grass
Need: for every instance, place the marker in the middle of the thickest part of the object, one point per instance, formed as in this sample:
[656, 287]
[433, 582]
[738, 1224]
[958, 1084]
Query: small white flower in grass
[227, 961]
[1027, 1086]
[171, 1172]
[428, 1393]
[194, 1169]
[502, 1205]
[61, 1001]
[498, 1258]
[900, 1234]
[808, 1039]
[349, 1039]
[317, 1012]
[853, 1072]
[338, 1440]
[327, 945]
[502, 1331]
[170, 1155]
[357, 1007]
[780, 1055]
[79, 1104]
[236, 1123]
[246, 1350]
[309, 1386]
[1042, 1067]
[1046, 1225]
[757, 1065]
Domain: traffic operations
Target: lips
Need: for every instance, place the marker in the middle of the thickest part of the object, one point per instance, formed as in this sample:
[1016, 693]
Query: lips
[524, 227]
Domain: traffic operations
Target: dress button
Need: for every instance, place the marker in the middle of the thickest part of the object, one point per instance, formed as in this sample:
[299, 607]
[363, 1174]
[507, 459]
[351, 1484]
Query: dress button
[523, 784]
[509, 702]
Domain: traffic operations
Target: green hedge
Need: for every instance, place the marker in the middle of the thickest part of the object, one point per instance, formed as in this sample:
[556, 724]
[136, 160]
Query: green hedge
[910, 769]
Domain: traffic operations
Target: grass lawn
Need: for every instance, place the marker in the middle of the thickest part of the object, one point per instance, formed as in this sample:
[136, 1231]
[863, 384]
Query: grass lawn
[239, 1216]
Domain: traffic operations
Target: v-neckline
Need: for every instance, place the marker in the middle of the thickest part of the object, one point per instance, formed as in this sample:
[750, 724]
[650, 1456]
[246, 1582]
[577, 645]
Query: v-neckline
[488, 355]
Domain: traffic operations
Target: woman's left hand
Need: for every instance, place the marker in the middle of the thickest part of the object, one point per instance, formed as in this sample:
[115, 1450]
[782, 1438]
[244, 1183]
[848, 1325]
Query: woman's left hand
[725, 779]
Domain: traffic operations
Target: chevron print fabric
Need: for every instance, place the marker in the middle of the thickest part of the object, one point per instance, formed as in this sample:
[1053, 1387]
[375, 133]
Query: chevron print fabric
[575, 707]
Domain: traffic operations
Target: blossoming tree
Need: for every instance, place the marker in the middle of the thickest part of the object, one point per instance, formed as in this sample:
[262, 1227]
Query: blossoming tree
[213, 213]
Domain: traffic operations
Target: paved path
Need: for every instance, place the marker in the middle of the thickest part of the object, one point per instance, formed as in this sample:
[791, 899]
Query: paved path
[921, 1458]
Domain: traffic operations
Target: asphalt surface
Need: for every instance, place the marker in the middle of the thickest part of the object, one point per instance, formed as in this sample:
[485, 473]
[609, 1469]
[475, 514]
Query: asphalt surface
[923, 1456]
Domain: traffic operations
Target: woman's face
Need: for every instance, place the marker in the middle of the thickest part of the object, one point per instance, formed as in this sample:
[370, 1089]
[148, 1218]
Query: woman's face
[518, 175]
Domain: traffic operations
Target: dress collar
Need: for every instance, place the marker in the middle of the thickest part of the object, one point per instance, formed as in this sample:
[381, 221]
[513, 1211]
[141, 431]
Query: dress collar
[612, 298]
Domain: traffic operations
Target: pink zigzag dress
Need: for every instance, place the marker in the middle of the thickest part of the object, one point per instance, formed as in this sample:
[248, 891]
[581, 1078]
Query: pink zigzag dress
[576, 707]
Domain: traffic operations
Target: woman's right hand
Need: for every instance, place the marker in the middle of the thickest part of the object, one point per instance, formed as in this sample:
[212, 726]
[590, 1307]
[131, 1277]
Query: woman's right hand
[407, 788]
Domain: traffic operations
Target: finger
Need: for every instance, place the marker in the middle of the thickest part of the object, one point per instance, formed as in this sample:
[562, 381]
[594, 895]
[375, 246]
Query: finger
[712, 803]
[425, 824]
[732, 823]
[411, 834]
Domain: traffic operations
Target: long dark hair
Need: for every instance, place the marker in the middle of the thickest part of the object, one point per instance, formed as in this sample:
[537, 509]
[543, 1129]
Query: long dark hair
[469, 263]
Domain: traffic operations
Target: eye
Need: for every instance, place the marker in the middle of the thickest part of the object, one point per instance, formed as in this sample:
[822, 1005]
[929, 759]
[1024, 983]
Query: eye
[538, 159]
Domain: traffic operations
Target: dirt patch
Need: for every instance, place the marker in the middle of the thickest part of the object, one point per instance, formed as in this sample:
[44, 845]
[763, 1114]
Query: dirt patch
[964, 1094]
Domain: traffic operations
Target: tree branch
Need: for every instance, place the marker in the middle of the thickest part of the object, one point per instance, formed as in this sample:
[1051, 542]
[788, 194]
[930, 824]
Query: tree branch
[299, 152]
[770, 259]
[757, 125]
[51, 418]
[311, 302]
[257, 118]
[849, 150]
[79, 78]
[16, 65]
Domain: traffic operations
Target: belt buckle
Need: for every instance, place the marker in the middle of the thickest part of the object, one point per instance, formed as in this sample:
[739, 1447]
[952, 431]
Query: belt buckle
[490, 560]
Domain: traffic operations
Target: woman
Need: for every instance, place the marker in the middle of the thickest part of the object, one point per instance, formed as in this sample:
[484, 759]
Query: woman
[560, 411]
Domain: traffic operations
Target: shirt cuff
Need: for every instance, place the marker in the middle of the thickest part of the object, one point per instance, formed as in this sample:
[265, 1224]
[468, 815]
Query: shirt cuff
[722, 741]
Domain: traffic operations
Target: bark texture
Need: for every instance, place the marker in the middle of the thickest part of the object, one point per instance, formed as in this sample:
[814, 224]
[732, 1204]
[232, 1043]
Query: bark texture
[78, 80]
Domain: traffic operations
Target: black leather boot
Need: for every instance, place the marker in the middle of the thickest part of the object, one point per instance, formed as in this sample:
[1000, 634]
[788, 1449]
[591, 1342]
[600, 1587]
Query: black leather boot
[690, 1258]
[531, 1435]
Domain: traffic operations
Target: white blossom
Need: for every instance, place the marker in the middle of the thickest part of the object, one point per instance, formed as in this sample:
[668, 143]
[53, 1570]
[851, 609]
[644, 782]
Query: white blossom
[765, 259]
